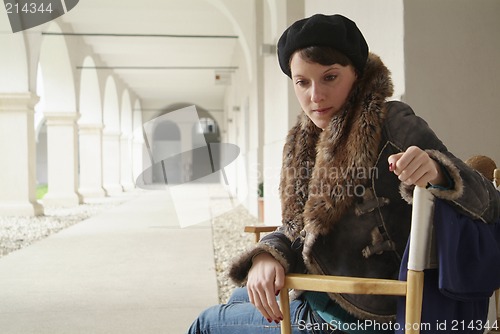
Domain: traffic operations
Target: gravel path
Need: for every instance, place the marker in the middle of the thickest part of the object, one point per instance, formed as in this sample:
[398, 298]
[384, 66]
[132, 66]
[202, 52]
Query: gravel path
[19, 232]
[229, 240]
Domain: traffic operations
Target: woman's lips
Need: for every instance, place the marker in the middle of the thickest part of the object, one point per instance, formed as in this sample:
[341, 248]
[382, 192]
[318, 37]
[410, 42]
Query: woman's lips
[322, 110]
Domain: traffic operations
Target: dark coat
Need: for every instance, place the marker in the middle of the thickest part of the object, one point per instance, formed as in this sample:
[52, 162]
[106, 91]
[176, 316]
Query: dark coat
[344, 213]
[457, 292]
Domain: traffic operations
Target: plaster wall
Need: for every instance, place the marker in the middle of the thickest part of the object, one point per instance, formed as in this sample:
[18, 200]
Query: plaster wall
[382, 25]
[453, 73]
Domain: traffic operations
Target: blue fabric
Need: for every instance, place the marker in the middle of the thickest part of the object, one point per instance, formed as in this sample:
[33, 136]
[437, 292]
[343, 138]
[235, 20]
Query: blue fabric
[240, 316]
[332, 313]
[468, 254]
[456, 295]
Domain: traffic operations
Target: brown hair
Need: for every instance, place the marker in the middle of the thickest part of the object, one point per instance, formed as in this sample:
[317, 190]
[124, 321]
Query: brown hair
[323, 55]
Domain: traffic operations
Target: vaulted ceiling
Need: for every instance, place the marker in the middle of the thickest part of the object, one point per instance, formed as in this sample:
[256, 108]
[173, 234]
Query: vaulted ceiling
[165, 51]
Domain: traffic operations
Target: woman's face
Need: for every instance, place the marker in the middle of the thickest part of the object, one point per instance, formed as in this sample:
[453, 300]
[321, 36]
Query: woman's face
[321, 90]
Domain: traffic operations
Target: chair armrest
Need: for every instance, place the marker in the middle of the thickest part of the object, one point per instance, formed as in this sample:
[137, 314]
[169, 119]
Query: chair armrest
[258, 229]
[342, 284]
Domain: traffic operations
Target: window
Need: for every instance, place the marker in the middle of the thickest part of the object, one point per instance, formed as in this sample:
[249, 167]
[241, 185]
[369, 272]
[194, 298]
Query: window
[207, 125]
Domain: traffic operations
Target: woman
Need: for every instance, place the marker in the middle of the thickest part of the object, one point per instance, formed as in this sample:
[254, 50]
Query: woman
[349, 167]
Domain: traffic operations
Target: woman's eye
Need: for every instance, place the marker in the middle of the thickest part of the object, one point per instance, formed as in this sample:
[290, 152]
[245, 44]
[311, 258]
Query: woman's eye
[301, 82]
[330, 77]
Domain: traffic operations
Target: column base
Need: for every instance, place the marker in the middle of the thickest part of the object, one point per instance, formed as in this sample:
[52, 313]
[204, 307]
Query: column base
[21, 209]
[62, 200]
[92, 193]
[113, 189]
[128, 186]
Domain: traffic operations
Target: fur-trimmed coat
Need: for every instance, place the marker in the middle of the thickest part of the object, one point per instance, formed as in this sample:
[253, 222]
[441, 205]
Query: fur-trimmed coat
[343, 212]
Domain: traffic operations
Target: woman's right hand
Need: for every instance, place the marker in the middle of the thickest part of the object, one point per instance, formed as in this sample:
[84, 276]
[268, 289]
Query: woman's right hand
[265, 279]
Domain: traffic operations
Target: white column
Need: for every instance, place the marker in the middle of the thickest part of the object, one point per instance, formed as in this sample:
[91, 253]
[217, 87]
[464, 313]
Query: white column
[279, 96]
[111, 162]
[126, 162]
[17, 149]
[62, 159]
[137, 155]
[90, 142]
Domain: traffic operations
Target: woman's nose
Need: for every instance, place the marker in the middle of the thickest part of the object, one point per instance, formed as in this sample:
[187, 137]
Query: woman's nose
[317, 93]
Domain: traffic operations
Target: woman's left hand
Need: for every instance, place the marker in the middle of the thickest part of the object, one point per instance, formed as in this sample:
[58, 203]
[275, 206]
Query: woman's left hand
[415, 166]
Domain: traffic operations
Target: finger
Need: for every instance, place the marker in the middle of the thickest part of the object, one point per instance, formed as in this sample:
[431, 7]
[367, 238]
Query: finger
[430, 173]
[254, 298]
[417, 177]
[393, 159]
[273, 307]
[279, 280]
[264, 304]
[257, 302]
[412, 169]
[423, 181]
[279, 283]
[250, 295]
[411, 160]
[403, 163]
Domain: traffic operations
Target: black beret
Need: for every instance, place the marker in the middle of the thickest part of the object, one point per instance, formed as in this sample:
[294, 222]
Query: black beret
[336, 31]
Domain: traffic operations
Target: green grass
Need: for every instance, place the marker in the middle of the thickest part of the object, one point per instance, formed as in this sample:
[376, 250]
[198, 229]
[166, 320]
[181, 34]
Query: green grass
[41, 190]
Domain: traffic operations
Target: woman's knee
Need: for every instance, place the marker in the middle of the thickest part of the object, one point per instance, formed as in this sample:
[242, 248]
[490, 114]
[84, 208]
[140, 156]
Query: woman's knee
[205, 320]
[239, 295]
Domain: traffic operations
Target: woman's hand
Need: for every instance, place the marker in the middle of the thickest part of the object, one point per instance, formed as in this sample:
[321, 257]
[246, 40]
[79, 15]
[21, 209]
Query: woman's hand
[265, 279]
[415, 166]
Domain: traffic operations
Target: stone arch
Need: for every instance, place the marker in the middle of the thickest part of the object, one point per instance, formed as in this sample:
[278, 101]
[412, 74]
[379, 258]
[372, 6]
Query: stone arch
[90, 132]
[167, 139]
[273, 17]
[209, 127]
[111, 138]
[111, 108]
[126, 114]
[126, 141]
[40, 106]
[242, 38]
[40, 132]
[137, 117]
[59, 85]
[13, 60]
[61, 117]
[196, 163]
[90, 94]
[138, 141]
[18, 181]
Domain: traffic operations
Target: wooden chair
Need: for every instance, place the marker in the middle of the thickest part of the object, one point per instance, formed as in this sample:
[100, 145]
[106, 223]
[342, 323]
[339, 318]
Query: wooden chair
[257, 229]
[413, 288]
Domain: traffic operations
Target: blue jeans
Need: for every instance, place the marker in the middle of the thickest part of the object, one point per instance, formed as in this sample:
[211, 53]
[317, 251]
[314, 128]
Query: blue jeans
[240, 316]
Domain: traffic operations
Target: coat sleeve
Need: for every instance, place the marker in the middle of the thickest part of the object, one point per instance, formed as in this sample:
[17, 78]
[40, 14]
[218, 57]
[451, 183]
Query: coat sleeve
[471, 193]
[276, 244]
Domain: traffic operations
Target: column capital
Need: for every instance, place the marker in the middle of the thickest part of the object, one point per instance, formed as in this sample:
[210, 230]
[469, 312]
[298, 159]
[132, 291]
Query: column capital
[126, 136]
[112, 134]
[21, 102]
[90, 128]
[61, 117]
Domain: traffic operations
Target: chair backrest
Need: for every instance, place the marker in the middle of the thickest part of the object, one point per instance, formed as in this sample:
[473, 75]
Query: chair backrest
[420, 236]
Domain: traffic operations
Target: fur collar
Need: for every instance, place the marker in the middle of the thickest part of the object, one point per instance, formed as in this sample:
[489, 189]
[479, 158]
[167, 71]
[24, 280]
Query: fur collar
[318, 166]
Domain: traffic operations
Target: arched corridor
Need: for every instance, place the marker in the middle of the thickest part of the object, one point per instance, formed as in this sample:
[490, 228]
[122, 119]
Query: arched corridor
[90, 86]
[113, 97]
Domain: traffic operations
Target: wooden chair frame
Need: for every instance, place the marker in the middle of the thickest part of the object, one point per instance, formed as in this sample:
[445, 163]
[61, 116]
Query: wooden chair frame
[258, 229]
[420, 235]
